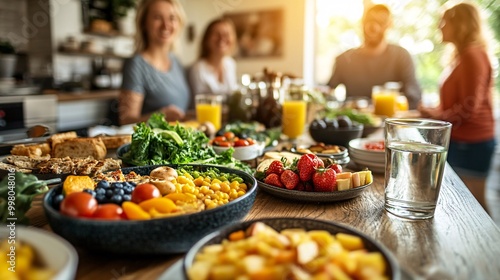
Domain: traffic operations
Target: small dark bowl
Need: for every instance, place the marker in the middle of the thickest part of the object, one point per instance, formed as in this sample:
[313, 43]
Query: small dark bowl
[279, 224]
[336, 136]
[156, 236]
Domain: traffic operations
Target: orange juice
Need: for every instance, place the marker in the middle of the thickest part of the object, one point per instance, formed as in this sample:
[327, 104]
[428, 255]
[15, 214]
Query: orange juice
[294, 117]
[402, 103]
[209, 113]
[384, 103]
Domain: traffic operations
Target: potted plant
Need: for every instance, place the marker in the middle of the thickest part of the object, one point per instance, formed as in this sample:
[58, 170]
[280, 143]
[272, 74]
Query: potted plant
[123, 16]
[8, 59]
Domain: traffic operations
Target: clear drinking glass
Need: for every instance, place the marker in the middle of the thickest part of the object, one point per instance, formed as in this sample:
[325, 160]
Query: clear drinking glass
[416, 151]
[209, 109]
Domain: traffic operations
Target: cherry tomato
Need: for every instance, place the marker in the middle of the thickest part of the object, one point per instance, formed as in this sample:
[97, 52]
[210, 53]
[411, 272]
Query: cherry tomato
[220, 139]
[222, 144]
[79, 204]
[145, 191]
[250, 141]
[241, 143]
[108, 211]
[229, 135]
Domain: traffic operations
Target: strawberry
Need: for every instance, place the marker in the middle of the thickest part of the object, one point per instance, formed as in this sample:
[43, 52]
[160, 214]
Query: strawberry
[276, 167]
[301, 186]
[306, 166]
[308, 186]
[325, 180]
[290, 179]
[336, 167]
[274, 180]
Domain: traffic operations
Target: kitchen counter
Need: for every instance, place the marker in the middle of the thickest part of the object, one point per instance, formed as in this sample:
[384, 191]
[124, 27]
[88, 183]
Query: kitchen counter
[85, 95]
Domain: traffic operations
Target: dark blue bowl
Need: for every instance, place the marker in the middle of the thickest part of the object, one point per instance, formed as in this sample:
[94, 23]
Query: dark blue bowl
[156, 236]
[279, 224]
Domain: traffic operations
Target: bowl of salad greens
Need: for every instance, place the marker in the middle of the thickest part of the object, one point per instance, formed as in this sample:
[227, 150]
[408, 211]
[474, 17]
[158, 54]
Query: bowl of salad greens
[157, 142]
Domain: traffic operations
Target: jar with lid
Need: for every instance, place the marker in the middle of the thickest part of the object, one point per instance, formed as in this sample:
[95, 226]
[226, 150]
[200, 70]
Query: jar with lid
[240, 105]
[270, 101]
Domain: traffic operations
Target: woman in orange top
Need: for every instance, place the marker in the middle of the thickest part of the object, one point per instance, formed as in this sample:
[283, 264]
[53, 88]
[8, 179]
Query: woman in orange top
[466, 98]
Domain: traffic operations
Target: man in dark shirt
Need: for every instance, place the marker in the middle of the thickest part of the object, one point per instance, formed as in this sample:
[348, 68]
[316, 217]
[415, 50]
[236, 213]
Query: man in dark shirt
[376, 61]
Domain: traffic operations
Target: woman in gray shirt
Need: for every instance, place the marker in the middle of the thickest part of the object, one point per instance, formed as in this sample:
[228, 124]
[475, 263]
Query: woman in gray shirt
[153, 79]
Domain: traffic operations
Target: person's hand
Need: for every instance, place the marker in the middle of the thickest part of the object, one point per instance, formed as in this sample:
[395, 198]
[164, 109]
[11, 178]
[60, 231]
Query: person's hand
[173, 113]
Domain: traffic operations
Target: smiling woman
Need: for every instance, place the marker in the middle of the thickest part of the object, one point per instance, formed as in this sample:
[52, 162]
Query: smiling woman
[154, 79]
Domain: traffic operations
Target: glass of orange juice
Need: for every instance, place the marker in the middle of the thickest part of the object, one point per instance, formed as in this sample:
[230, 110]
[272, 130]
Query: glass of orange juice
[384, 101]
[209, 109]
[294, 112]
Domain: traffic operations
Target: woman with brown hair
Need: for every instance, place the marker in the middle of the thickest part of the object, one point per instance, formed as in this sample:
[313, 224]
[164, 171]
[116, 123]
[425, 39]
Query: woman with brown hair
[466, 98]
[215, 70]
[153, 79]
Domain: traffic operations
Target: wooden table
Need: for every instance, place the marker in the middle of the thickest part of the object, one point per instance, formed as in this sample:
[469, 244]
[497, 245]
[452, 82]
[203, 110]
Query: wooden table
[460, 242]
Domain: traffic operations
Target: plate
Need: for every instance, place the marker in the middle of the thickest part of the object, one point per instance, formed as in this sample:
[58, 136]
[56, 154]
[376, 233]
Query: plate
[359, 145]
[343, 152]
[312, 196]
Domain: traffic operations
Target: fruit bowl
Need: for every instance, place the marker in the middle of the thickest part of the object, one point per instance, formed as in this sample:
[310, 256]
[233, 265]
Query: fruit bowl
[390, 264]
[169, 235]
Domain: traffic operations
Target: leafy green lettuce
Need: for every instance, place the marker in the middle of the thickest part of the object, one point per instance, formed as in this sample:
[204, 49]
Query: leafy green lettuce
[159, 142]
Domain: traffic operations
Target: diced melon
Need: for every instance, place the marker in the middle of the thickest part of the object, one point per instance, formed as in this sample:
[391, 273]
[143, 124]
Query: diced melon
[343, 184]
[369, 176]
[362, 178]
[355, 180]
[344, 175]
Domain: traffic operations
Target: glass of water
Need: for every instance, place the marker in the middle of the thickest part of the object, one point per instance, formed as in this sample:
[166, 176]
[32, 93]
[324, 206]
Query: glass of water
[416, 151]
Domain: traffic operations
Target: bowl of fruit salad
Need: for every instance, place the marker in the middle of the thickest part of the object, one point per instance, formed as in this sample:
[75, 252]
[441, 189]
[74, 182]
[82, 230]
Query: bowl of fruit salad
[148, 209]
[289, 248]
[244, 148]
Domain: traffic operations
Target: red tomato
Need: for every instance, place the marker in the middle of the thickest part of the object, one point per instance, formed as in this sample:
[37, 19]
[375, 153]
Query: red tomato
[222, 144]
[229, 135]
[79, 204]
[336, 167]
[241, 143]
[144, 192]
[220, 139]
[108, 211]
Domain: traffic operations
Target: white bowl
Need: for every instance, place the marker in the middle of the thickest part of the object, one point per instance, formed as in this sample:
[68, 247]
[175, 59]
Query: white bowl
[55, 252]
[244, 152]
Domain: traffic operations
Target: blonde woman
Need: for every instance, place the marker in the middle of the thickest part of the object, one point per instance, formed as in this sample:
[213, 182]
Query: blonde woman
[466, 98]
[215, 70]
[153, 79]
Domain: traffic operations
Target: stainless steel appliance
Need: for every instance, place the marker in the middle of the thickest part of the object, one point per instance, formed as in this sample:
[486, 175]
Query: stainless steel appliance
[19, 113]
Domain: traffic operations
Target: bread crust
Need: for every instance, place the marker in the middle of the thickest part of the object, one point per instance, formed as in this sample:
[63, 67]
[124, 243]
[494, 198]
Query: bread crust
[114, 142]
[80, 148]
[32, 150]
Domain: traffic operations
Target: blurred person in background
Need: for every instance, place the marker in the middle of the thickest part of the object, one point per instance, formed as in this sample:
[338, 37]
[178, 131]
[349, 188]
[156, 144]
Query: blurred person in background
[466, 98]
[153, 79]
[215, 69]
[376, 61]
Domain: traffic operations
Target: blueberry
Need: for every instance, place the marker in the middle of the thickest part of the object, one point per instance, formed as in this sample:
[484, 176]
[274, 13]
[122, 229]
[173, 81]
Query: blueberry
[56, 202]
[117, 199]
[92, 192]
[101, 198]
[129, 185]
[119, 191]
[103, 184]
[100, 191]
[109, 193]
[118, 185]
[127, 197]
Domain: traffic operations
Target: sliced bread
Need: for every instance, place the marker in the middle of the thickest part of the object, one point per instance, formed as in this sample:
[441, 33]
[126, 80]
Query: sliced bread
[80, 148]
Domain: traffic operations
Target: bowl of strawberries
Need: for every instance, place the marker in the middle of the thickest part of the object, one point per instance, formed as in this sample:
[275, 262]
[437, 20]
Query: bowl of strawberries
[309, 179]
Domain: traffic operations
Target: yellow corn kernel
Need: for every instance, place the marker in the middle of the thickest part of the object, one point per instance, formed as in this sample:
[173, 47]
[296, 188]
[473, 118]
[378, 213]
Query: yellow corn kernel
[215, 186]
[198, 181]
[183, 180]
[224, 187]
[200, 196]
[207, 179]
[187, 175]
[204, 189]
[211, 205]
[233, 194]
[241, 193]
[243, 186]
[206, 183]
[216, 181]
[187, 189]
[234, 185]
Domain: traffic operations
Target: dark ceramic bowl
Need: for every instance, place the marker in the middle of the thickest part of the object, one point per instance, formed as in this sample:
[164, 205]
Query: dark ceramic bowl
[336, 136]
[156, 236]
[279, 224]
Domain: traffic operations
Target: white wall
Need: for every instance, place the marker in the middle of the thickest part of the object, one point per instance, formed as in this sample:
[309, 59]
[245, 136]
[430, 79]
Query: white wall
[200, 12]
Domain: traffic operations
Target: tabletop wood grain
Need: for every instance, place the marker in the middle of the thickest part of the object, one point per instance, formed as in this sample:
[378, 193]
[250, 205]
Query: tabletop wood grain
[460, 242]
